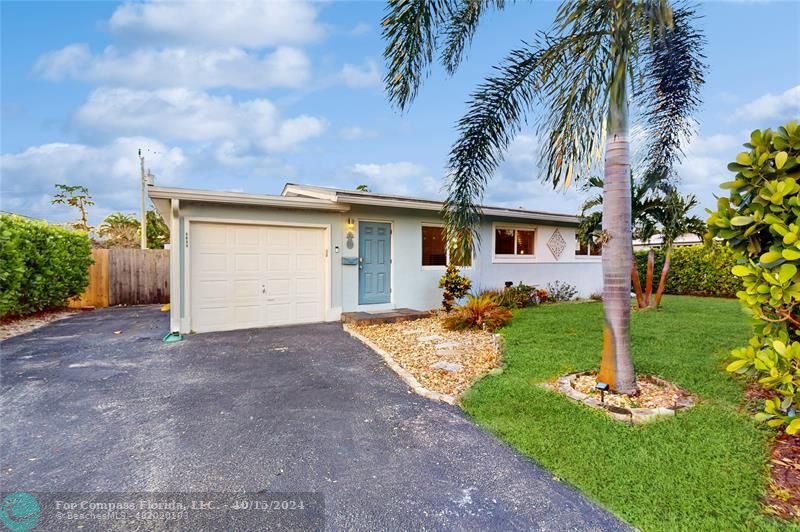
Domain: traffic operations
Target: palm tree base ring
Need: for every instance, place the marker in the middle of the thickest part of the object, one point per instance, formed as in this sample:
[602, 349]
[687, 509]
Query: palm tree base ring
[667, 404]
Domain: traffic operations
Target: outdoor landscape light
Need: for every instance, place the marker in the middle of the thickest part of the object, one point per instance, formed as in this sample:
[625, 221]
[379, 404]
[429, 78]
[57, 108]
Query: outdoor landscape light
[603, 387]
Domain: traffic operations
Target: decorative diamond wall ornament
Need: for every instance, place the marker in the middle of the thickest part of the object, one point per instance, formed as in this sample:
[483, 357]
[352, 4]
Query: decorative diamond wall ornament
[556, 244]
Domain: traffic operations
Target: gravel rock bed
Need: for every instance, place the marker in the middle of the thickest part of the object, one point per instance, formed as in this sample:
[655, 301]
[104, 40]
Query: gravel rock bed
[652, 394]
[461, 357]
[17, 326]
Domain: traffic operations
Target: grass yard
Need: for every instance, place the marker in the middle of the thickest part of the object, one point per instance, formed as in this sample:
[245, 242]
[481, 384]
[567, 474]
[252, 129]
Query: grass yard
[705, 469]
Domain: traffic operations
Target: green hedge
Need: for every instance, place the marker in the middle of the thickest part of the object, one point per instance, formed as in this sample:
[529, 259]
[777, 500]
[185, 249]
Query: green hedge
[41, 265]
[695, 270]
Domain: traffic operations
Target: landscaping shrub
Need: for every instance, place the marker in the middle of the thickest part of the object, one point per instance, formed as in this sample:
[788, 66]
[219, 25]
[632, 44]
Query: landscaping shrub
[696, 270]
[479, 312]
[43, 265]
[455, 286]
[758, 221]
[560, 291]
[521, 295]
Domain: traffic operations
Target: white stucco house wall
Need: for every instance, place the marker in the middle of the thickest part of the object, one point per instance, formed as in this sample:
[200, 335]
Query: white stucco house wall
[308, 255]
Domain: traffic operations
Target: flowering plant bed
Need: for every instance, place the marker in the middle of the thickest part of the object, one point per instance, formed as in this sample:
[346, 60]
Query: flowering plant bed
[656, 398]
[443, 361]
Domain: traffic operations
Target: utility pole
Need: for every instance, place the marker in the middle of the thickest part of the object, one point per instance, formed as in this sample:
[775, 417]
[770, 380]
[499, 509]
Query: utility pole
[143, 220]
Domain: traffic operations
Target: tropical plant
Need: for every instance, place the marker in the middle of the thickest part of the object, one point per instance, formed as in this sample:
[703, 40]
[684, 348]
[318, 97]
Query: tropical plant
[43, 265]
[674, 219]
[520, 296]
[119, 230]
[657, 208]
[157, 230]
[455, 286]
[75, 196]
[580, 76]
[560, 291]
[644, 198]
[758, 220]
[696, 270]
[481, 312]
[363, 188]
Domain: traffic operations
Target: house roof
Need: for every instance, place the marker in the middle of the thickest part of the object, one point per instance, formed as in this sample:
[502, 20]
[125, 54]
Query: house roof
[315, 197]
[359, 197]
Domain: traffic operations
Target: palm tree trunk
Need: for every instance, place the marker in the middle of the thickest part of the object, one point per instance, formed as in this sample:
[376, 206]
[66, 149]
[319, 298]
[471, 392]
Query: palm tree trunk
[662, 282]
[637, 284]
[616, 366]
[648, 280]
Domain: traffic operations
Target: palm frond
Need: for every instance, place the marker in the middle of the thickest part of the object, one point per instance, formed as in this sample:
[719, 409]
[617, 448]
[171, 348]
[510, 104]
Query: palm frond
[461, 29]
[673, 73]
[494, 116]
[410, 29]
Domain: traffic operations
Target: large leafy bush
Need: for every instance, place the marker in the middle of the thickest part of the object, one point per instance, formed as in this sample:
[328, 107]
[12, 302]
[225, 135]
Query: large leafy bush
[697, 270]
[759, 220]
[41, 266]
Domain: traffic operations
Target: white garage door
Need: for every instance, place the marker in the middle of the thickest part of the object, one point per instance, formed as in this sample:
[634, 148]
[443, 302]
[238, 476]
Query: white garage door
[255, 276]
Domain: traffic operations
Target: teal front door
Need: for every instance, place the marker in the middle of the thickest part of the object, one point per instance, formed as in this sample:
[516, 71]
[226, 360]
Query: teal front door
[374, 262]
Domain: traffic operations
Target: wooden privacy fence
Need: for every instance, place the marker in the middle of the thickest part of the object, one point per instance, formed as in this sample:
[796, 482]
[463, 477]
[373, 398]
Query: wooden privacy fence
[122, 276]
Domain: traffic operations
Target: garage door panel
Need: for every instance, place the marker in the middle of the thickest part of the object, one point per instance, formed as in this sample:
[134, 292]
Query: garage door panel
[253, 276]
[247, 263]
[279, 262]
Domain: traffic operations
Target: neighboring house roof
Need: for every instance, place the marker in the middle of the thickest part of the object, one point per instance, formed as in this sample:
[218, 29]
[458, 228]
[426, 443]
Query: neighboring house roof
[296, 196]
[657, 240]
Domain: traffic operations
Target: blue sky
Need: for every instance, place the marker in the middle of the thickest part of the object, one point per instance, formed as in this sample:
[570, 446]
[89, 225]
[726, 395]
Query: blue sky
[247, 95]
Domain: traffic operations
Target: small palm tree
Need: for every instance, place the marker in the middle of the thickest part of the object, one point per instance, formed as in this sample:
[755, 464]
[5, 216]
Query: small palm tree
[577, 82]
[674, 219]
[657, 209]
[644, 200]
[120, 230]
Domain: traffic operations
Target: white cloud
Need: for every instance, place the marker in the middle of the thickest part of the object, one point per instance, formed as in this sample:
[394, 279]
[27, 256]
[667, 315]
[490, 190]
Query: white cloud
[172, 67]
[404, 178]
[362, 28]
[367, 75]
[185, 114]
[782, 106]
[111, 172]
[356, 133]
[247, 23]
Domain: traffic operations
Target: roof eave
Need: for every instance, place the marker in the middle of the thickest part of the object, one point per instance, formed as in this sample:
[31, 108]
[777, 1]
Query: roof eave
[238, 198]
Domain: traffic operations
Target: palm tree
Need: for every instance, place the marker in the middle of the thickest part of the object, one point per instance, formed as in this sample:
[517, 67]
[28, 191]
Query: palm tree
[576, 81]
[120, 230]
[657, 208]
[643, 203]
[674, 219]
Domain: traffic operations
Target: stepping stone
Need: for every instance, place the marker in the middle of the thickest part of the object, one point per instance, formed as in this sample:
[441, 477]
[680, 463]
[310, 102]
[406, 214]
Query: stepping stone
[450, 367]
[446, 345]
[431, 338]
[446, 352]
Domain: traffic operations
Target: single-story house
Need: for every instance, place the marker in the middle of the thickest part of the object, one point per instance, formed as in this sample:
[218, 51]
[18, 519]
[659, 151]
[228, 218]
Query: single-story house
[308, 255]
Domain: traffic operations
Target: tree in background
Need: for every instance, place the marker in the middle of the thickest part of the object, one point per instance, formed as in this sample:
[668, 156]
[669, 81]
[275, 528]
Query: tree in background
[657, 208]
[576, 81]
[119, 230]
[674, 219]
[75, 196]
[363, 188]
[157, 230]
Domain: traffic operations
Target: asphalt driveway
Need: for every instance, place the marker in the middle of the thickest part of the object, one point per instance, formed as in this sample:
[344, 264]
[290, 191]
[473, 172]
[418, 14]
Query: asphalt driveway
[97, 403]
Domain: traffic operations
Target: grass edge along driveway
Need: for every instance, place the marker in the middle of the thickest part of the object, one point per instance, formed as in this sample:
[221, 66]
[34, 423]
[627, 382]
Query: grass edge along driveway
[705, 469]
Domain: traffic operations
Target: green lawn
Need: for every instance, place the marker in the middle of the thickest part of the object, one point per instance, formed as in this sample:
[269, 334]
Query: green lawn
[705, 469]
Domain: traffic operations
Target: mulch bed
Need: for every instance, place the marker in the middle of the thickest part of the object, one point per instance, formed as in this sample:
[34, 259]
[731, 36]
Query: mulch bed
[418, 344]
[20, 325]
[783, 494]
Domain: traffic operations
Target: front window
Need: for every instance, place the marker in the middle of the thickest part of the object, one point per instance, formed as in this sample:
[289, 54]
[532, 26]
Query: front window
[434, 247]
[513, 242]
